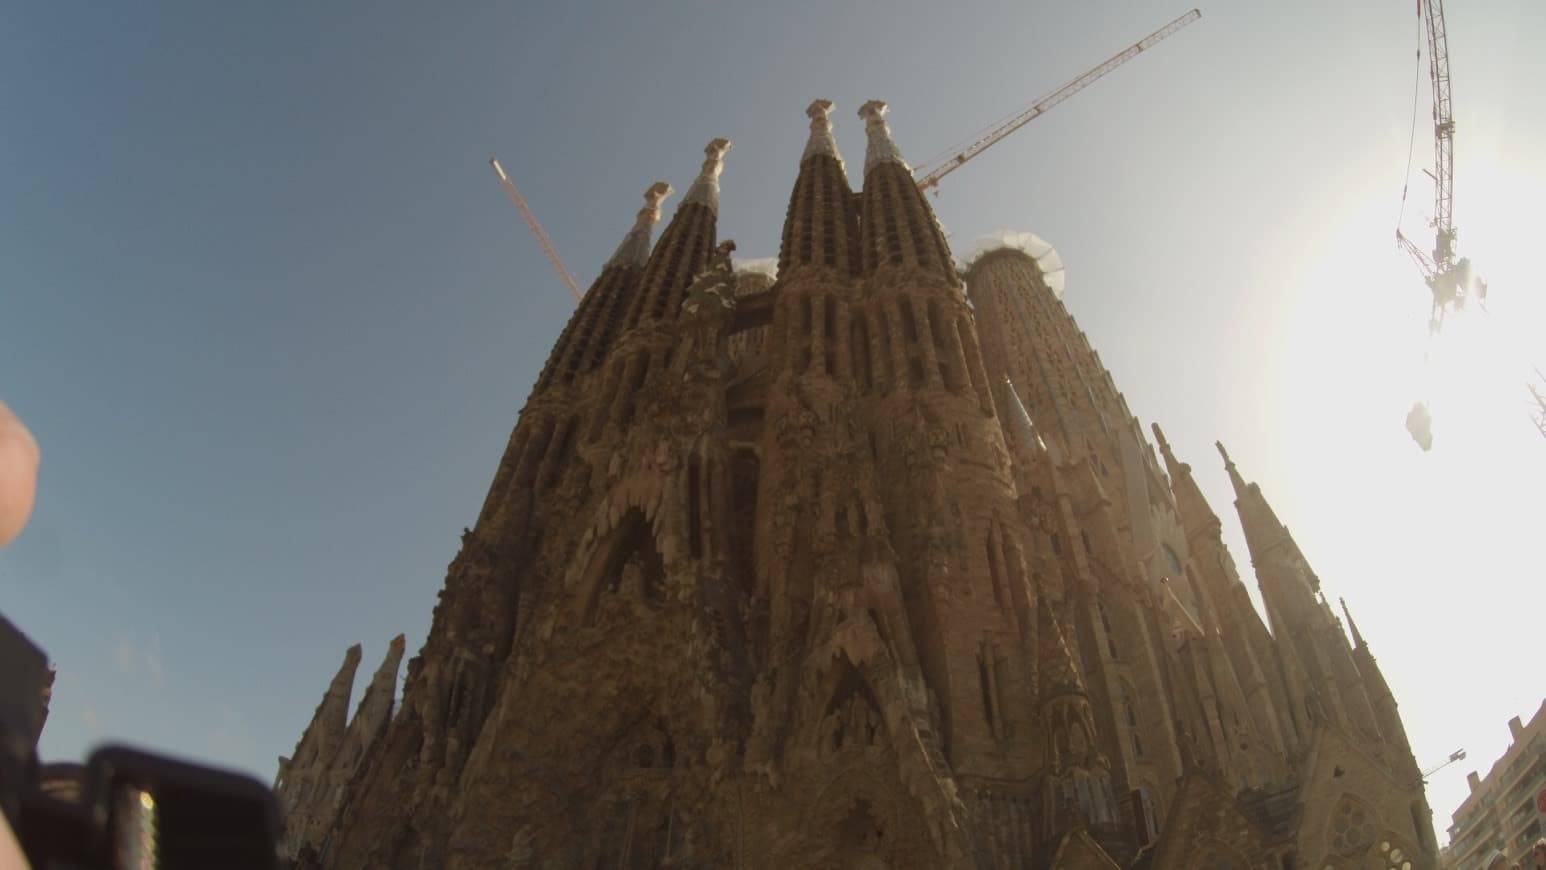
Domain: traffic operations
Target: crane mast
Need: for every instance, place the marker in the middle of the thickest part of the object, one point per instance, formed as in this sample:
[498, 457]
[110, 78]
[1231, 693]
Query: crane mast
[536, 230]
[1451, 281]
[998, 133]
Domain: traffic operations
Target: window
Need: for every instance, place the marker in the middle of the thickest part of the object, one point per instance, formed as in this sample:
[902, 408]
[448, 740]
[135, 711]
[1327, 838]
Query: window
[1111, 637]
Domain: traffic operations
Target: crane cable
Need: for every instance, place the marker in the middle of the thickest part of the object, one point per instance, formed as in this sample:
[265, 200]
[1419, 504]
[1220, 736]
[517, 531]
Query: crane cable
[1411, 142]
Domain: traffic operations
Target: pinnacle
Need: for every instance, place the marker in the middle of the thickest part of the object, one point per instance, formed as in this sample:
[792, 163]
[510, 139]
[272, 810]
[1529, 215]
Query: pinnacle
[705, 189]
[821, 140]
[881, 148]
[634, 250]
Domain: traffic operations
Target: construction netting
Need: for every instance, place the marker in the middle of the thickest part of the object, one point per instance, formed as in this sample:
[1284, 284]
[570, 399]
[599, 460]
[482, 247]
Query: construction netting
[1038, 248]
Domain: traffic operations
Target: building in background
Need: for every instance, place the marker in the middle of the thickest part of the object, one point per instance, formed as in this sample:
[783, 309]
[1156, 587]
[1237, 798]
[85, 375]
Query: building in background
[1505, 813]
[865, 565]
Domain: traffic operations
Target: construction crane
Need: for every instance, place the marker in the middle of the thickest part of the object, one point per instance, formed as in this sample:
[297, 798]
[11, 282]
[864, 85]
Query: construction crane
[1457, 755]
[997, 134]
[1451, 281]
[536, 230]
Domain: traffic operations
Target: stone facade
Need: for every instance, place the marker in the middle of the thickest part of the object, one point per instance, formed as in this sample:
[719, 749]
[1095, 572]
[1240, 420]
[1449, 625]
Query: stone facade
[865, 566]
[312, 782]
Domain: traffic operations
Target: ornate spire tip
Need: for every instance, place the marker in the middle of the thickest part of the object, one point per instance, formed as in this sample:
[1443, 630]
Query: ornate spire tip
[881, 147]
[821, 141]
[705, 190]
[635, 247]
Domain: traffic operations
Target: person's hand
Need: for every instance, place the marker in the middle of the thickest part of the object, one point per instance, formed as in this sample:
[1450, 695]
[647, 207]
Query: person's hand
[18, 474]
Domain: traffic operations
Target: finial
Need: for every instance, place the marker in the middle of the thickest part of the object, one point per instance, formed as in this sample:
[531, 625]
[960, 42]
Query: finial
[881, 148]
[821, 141]
[1351, 625]
[1235, 480]
[635, 247]
[1159, 435]
[397, 642]
[705, 190]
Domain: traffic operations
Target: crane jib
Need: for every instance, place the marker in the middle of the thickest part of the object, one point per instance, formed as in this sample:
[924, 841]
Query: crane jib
[997, 134]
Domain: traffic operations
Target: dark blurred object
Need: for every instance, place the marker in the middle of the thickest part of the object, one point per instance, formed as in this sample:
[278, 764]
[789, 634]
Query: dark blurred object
[123, 808]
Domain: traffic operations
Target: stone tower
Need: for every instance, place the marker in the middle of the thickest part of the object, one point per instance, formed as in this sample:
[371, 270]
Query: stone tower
[867, 565]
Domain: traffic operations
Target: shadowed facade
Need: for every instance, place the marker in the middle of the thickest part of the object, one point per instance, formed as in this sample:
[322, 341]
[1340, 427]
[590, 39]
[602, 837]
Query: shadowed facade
[868, 565]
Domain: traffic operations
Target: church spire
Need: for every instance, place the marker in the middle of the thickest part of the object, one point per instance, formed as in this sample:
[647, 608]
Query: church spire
[1196, 514]
[585, 340]
[881, 148]
[684, 247]
[1022, 429]
[705, 189]
[326, 731]
[898, 227]
[821, 140]
[635, 247]
[1264, 532]
[1352, 626]
[1235, 479]
[821, 227]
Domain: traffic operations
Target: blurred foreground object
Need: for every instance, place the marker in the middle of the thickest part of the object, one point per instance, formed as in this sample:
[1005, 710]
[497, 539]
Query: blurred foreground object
[123, 808]
[1419, 422]
[18, 474]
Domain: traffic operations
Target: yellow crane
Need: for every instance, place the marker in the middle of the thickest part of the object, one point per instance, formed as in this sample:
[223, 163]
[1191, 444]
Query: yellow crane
[998, 133]
[536, 230]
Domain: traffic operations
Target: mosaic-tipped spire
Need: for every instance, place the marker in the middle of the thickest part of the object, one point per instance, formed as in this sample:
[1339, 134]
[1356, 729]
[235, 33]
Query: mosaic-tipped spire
[635, 247]
[705, 189]
[821, 227]
[897, 227]
[821, 141]
[881, 148]
[684, 247]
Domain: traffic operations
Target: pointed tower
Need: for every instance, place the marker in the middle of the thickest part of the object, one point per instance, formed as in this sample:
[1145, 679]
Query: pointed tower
[684, 248]
[307, 832]
[821, 228]
[1246, 641]
[644, 347]
[1393, 730]
[303, 777]
[943, 464]
[1303, 626]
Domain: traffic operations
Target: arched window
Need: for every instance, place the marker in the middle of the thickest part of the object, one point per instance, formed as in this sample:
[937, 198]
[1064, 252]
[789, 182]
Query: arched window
[1105, 624]
[1149, 810]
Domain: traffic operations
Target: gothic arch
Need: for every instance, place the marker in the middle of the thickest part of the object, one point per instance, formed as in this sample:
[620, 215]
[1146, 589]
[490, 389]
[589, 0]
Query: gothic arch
[851, 716]
[628, 557]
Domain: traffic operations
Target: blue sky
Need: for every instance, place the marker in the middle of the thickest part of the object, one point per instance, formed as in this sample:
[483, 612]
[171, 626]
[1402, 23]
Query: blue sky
[271, 318]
